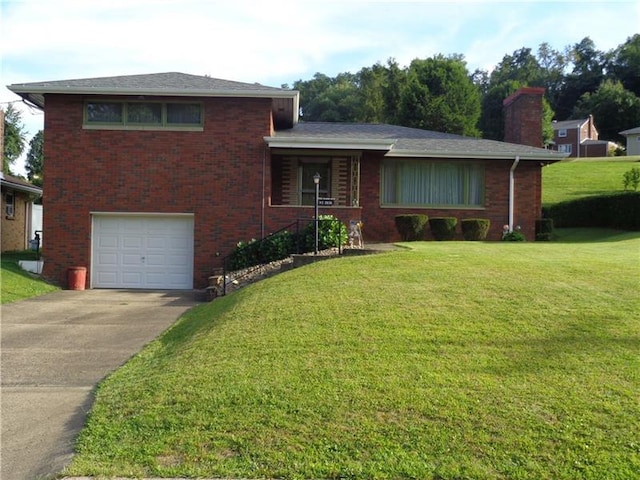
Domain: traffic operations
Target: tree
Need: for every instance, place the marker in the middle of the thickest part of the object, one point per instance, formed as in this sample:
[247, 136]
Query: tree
[35, 159]
[613, 107]
[625, 64]
[439, 95]
[553, 65]
[586, 76]
[14, 138]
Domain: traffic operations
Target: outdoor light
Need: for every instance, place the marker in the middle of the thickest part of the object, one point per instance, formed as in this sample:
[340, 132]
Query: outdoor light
[316, 180]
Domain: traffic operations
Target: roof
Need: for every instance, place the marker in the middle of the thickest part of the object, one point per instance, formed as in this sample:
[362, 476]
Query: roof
[19, 184]
[402, 142]
[631, 131]
[285, 102]
[565, 124]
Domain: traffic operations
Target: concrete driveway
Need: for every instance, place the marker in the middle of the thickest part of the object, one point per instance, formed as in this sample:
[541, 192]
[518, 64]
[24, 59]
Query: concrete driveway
[54, 350]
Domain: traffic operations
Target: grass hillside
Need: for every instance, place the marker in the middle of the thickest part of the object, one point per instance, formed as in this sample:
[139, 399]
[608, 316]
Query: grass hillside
[16, 283]
[573, 179]
[450, 360]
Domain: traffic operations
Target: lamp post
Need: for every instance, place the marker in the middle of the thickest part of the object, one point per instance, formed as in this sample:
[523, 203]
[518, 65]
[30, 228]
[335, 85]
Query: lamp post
[316, 180]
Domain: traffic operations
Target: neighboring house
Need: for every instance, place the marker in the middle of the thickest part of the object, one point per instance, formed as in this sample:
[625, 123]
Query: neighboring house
[17, 212]
[151, 180]
[633, 140]
[579, 138]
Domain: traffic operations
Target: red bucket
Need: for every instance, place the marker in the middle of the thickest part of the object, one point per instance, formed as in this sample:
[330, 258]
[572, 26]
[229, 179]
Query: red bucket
[76, 277]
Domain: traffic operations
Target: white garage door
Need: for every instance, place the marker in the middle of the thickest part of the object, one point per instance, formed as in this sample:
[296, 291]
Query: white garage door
[147, 252]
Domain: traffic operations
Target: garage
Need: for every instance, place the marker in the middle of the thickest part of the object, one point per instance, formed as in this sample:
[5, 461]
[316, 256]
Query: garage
[142, 251]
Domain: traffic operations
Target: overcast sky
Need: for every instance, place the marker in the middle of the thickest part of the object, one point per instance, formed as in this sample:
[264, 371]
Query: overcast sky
[277, 42]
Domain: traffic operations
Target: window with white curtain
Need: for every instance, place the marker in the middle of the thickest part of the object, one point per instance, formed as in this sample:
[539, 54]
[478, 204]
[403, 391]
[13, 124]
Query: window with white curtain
[421, 183]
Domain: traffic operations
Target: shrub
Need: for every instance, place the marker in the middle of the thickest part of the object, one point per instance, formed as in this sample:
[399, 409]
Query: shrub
[277, 246]
[514, 236]
[631, 179]
[475, 229]
[544, 229]
[621, 210]
[331, 233]
[443, 228]
[246, 254]
[411, 227]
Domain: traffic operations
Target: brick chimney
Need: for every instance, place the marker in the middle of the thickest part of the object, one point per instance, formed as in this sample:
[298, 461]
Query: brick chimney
[523, 117]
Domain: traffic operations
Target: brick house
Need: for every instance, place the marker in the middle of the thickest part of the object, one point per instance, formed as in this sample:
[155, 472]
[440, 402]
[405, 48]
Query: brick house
[579, 138]
[17, 206]
[152, 179]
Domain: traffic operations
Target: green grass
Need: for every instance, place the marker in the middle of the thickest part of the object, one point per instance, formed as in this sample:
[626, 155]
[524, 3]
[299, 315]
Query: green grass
[449, 360]
[570, 180]
[17, 284]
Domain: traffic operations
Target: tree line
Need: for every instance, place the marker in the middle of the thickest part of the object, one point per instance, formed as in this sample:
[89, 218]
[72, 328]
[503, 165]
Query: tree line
[439, 93]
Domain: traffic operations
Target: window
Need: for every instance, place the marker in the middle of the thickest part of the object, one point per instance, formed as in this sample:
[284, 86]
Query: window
[562, 132]
[10, 203]
[565, 148]
[307, 170]
[419, 183]
[143, 115]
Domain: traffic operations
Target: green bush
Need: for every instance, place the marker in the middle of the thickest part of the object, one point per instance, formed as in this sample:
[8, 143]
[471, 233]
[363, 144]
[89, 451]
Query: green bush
[514, 236]
[475, 229]
[621, 211]
[544, 229]
[246, 254]
[443, 228]
[331, 233]
[631, 179]
[411, 227]
[277, 246]
[273, 247]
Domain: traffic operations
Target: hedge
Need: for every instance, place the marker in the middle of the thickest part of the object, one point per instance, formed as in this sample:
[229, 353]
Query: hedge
[443, 228]
[475, 229]
[411, 227]
[621, 211]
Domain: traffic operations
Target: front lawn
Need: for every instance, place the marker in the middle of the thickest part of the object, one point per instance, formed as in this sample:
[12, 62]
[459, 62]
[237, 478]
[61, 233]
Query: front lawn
[17, 284]
[449, 360]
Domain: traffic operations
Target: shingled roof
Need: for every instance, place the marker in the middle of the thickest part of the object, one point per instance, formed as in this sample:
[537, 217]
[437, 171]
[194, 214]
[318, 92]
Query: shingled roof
[402, 142]
[285, 102]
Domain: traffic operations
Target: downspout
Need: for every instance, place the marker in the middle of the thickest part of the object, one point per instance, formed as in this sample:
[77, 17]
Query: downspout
[264, 186]
[512, 183]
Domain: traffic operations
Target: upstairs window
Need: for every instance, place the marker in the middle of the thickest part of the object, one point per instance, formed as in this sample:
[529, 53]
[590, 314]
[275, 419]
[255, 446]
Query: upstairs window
[562, 132]
[143, 115]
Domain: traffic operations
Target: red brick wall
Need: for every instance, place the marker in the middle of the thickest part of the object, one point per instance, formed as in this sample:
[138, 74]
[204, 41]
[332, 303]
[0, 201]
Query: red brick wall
[215, 174]
[379, 223]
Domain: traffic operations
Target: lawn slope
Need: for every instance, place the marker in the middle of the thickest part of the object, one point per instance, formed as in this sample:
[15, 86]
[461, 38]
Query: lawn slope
[18, 284]
[450, 360]
[570, 180]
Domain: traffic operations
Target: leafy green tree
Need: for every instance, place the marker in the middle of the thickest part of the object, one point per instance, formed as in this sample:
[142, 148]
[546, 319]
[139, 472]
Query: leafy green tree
[522, 66]
[326, 99]
[587, 75]
[625, 64]
[613, 107]
[14, 138]
[35, 159]
[439, 95]
[553, 65]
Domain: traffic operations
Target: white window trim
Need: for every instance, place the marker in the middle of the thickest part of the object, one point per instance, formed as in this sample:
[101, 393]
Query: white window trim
[562, 133]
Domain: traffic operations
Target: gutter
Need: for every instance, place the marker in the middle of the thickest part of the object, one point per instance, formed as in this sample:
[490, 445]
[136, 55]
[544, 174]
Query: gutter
[512, 199]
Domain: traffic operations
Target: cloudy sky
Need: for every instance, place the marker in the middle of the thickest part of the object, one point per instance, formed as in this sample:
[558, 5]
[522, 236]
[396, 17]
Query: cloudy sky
[277, 42]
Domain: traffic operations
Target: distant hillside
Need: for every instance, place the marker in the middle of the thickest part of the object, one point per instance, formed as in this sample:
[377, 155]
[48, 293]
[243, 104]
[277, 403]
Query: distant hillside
[578, 178]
